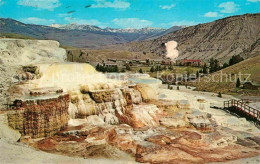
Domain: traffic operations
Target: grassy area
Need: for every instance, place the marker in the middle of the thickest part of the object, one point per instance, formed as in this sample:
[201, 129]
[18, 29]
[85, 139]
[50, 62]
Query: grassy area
[176, 70]
[15, 36]
[224, 81]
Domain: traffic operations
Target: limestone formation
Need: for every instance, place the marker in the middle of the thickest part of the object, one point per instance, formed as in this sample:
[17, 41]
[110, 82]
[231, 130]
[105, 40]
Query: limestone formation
[16, 53]
[39, 118]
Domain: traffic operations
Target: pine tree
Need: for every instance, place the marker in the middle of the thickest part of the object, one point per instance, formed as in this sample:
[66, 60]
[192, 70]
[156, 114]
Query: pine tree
[238, 83]
[98, 67]
[197, 74]
[211, 65]
[140, 70]
[219, 94]
[204, 69]
[225, 65]
[128, 67]
[235, 59]
[152, 69]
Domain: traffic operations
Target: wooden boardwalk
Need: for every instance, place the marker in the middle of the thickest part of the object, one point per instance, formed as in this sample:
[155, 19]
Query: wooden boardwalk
[239, 106]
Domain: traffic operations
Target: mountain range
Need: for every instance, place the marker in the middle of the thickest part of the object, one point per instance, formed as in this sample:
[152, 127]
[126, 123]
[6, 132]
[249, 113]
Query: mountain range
[219, 39]
[81, 36]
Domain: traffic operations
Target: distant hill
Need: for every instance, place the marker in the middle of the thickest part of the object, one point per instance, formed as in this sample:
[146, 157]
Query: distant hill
[220, 39]
[165, 32]
[81, 36]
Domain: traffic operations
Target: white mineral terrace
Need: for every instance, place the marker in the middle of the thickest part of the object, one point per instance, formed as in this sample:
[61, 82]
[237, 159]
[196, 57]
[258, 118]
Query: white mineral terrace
[99, 101]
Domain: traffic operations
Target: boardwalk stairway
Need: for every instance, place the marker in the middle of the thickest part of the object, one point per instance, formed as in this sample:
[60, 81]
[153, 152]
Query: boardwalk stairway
[243, 109]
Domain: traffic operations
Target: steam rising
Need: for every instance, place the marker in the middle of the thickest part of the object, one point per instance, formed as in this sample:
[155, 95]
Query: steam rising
[172, 52]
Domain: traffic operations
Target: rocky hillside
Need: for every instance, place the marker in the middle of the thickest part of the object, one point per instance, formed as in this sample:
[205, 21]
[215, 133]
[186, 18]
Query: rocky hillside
[17, 52]
[81, 36]
[219, 39]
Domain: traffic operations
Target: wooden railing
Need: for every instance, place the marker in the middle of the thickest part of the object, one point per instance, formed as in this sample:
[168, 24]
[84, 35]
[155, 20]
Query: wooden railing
[244, 107]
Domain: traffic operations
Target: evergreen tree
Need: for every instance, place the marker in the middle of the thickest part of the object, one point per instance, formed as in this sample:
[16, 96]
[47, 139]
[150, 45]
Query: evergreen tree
[219, 94]
[197, 74]
[98, 67]
[211, 65]
[116, 69]
[214, 65]
[140, 70]
[152, 69]
[204, 69]
[238, 83]
[128, 68]
[225, 65]
[235, 59]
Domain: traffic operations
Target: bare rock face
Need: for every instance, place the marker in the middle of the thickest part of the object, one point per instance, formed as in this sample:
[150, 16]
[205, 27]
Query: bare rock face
[173, 122]
[106, 95]
[18, 52]
[141, 116]
[164, 154]
[40, 118]
[148, 93]
[200, 120]
[7, 133]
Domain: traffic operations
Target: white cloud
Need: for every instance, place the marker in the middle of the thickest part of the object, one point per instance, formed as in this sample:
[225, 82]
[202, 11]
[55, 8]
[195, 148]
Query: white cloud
[1, 2]
[253, 1]
[229, 7]
[119, 4]
[132, 23]
[92, 22]
[40, 4]
[38, 21]
[212, 14]
[167, 7]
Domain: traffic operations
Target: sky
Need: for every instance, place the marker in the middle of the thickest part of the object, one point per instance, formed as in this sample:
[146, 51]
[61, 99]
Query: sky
[125, 13]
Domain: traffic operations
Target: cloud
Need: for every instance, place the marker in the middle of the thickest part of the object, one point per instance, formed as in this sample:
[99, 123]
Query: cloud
[40, 4]
[167, 7]
[132, 23]
[38, 21]
[212, 14]
[118, 4]
[253, 1]
[229, 7]
[92, 22]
